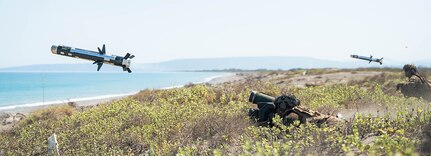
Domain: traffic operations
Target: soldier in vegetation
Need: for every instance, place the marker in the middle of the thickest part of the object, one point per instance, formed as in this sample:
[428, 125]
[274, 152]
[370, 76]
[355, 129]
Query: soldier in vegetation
[417, 85]
[288, 108]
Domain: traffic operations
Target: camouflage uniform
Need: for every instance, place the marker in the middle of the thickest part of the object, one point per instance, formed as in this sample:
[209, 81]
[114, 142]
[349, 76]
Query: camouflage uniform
[305, 115]
[266, 112]
[417, 86]
[287, 107]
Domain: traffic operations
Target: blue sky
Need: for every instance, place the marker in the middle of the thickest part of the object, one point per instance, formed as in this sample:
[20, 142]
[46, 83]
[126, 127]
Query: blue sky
[164, 30]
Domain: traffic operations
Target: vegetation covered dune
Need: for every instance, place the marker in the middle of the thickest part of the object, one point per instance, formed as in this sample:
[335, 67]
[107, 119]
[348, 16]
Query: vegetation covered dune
[212, 120]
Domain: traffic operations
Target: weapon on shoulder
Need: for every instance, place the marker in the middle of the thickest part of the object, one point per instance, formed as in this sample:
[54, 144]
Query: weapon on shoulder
[269, 106]
[288, 107]
[283, 101]
[411, 70]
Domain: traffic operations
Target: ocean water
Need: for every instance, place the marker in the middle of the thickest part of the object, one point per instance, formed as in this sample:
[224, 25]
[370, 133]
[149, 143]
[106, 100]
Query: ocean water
[27, 89]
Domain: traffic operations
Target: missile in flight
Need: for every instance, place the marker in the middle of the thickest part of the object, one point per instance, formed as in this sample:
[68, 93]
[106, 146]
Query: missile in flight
[99, 57]
[371, 59]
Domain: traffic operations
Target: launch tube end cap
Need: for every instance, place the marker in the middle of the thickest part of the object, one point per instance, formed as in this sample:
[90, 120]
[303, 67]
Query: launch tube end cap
[252, 96]
[54, 49]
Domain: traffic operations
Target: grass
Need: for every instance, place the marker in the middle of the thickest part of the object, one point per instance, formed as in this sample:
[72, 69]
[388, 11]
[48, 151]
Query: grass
[211, 120]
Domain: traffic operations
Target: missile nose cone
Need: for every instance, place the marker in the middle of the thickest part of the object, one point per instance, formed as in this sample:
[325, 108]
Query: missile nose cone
[54, 49]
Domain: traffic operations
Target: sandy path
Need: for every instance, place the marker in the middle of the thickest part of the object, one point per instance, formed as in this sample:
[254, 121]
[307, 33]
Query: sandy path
[301, 80]
[321, 79]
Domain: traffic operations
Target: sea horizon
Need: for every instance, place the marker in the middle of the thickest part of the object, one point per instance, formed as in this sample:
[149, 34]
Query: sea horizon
[29, 89]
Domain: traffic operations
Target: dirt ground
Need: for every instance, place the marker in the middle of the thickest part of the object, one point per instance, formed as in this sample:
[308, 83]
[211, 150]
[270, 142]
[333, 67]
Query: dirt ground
[328, 79]
[302, 80]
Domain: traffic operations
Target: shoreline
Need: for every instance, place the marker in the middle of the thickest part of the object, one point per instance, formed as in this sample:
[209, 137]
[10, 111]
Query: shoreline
[84, 101]
[95, 100]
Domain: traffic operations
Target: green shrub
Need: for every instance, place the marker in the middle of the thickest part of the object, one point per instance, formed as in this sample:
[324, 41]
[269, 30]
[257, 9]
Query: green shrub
[211, 120]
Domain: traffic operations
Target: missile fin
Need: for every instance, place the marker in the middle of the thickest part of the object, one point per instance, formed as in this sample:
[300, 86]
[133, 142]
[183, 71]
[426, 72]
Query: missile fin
[103, 51]
[127, 56]
[127, 69]
[99, 65]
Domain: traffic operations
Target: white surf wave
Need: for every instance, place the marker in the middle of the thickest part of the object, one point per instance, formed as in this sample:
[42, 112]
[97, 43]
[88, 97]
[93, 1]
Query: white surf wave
[208, 79]
[57, 102]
